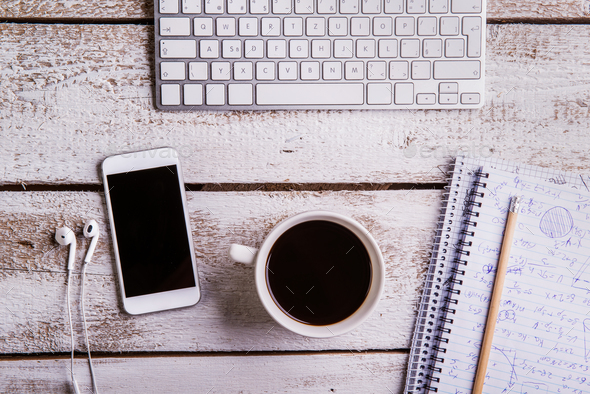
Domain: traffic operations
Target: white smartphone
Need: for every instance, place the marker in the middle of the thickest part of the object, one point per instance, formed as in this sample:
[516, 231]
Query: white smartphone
[150, 229]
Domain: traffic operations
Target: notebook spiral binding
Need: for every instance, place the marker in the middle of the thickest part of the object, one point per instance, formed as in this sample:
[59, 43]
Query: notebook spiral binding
[442, 279]
[453, 281]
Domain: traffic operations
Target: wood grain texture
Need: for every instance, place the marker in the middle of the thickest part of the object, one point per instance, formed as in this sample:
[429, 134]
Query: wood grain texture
[72, 95]
[229, 317]
[130, 10]
[306, 373]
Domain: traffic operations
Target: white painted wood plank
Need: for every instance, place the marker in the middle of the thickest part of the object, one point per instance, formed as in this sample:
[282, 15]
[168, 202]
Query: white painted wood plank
[229, 317]
[73, 94]
[133, 9]
[305, 373]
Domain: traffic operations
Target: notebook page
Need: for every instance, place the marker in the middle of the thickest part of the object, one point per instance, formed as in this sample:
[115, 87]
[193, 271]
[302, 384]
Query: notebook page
[542, 338]
[460, 185]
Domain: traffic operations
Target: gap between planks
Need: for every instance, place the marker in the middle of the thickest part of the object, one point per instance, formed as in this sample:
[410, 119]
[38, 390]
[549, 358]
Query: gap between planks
[237, 187]
[140, 354]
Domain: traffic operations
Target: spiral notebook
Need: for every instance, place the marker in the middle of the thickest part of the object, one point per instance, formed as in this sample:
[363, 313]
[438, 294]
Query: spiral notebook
[453, 308]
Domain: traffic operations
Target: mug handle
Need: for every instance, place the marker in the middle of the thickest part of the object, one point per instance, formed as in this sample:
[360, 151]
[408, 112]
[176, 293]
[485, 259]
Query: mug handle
[242, 254]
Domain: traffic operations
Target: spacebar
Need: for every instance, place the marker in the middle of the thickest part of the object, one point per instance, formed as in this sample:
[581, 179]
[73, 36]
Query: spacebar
[309, 93]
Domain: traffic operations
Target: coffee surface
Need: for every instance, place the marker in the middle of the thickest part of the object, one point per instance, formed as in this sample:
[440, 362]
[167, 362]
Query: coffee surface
[318, 272]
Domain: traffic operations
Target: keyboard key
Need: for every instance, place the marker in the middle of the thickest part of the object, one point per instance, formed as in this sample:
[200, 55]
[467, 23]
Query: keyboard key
[240, 94]
[299, 49]
[243, 71]
[371, 6]
[293, 27]
[365, 48]
[172, 71]
[179, 49]
[454, 47]
[193, 94]
[379, 93]
[209, 49]
[445, 98]
[248, 27]
[470, 98]
[259, 6]
[215, 94]
[394, 6]
[449, 26]
[231, 49]
[404, 26]
[360, 26]
[170, 94]
[271, 27]
[410, 47]
[332, 71]
[198, 71]
[282, 6]
[376, 70]
[226, 27]
[304, 6]
[432, 47]
[404, 93]
[349, 6]
[459, 69]
[315, 27]
[472, 29]
[254, 49]
[326, 6]
[214, 6]
[438, 7]
[382, 26]
[168, 7]
[426, 98]
[175, 27]
[310, 70]
[387, 48]
[398, 70]
[203, 27]
[265, 71]
[354, 70]
[276, 49]
[420, 69]
[191, 7]
[416, 6]
[310, 94]
[337, 26]
[427, 26]
[465, 6]
[343, 49]
[220, 71]
[320, 49]
[287, 71]
[448, 87]
[235, 6]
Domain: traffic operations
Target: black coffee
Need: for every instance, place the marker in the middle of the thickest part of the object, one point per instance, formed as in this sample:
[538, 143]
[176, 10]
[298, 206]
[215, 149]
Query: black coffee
[318, 272]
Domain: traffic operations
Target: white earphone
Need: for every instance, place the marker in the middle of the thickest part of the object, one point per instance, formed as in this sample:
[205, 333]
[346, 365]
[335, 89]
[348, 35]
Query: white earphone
[65, 236]
[91, 231]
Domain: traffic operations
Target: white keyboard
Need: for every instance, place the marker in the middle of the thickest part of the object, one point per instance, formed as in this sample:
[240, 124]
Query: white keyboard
[319, 54]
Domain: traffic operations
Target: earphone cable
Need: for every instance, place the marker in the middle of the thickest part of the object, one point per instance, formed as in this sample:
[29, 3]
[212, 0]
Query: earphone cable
[71, 332]
[94, 386]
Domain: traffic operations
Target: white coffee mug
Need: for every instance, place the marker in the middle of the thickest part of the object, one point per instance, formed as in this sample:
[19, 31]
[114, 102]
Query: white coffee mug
[248, 255]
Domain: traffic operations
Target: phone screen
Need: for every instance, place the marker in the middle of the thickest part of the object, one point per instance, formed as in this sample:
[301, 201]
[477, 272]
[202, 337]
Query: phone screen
[151, 232]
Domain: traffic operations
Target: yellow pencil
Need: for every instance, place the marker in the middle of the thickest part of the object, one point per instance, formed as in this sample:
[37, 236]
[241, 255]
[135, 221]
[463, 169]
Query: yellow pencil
[488, 336]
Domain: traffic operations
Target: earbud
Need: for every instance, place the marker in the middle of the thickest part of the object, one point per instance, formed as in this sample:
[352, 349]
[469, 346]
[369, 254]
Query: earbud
[65, 236]
[91, 231]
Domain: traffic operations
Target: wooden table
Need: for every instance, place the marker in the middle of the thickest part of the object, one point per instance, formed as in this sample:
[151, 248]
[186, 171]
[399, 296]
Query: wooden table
[76, 86]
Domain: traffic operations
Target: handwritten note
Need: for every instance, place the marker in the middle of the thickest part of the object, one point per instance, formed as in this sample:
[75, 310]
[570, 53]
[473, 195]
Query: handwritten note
[542, 338]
